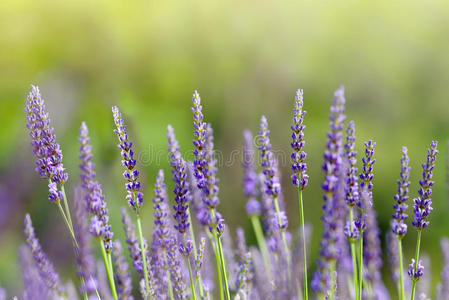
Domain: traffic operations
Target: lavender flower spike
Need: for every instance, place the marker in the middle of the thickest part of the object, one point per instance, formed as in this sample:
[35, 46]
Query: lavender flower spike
[332, 230]
[398, 224]
[423, 203]
[135, 196]
[367, 175]
[415, 273]
[93, 197]
[44, 266]
[250, 178]
[299, 167]
[43, 141]
[352, 189]
[199, 141]
[122, 276]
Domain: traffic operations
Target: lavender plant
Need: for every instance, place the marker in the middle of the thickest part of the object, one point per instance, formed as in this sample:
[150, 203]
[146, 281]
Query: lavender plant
[171, 265]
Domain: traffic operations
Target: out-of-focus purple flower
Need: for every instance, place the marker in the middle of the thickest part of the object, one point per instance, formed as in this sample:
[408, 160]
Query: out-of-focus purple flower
[397, 225]
[415, 275]
[134, 196]
[43, 142]
[174, 267]
[196, 196]
[242, 282]
[268, 210]
[393, 257]
[425, 284]
[249, 172]
[443, 286]
[332, 231]
[84, 257]
[93, 196]
[122, 275]
[181, 194]
[352, 188]
[43, 264]
[298, 156]
[272, 185]
[423, 203]
[34, 287]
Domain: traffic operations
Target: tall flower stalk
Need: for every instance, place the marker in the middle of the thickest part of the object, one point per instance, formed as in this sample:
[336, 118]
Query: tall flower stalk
[250, 189]
[366, 186]
[352, 199]
[205, 174]
[324, 281]
[131, 175]
[48, 153]
[96, 205]
[398, 225]
[422, 207]
[299, 168]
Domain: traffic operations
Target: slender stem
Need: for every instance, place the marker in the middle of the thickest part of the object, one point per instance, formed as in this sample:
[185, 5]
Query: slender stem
[192, 283]
[401, 277]
[220, 257]
[354, 256]
[217, 260]
[108, 270]
[170, 287]
[255, 221]
[301, 216]
[144, 258]
[68, 224]
[192, 237]
[66, 206]
[223, 266]
[361, 266]
[418, 245]
[84, 288]
[284, 240]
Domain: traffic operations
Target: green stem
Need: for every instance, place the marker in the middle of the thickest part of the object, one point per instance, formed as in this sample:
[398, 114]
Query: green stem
[418, 246]
[301, 216]
[108, 270]
[192, 283]
[220, 258]
[84, 285]
[192, 237]
[72, 233]
[144, 258]
[354, 256]
[217, 260]
[66, 206]
[284, 240]
[401, 277]
[361, 265]
[255, 221]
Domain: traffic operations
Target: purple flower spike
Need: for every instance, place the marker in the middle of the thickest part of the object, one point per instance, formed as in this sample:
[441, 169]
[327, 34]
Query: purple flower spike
[332, 223]
[423, 204]
[44, 266]
[367, 175]
[352, 188]
[93, 198]
[393, 257]
[134, 197]
[398, 225]
[415, 275]
[272, 185]
[299, 167]
[351, 232]
[122, 275]
[43, 142]
[250, 177]
[199, 141]
[84, 257]
[443, 286]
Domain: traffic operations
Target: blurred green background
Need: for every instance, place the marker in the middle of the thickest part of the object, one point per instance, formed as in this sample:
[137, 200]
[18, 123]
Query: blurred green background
[246, 58]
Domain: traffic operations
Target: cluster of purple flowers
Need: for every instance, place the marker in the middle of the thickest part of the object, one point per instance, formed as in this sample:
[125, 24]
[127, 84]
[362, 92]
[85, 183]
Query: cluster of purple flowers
[172, 265]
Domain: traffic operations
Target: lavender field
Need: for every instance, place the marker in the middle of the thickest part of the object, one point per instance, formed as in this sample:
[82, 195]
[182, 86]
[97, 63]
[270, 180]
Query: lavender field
[224, 151]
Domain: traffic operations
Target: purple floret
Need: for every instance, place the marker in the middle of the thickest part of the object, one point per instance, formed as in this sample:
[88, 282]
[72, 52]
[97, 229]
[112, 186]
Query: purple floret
[398, 224]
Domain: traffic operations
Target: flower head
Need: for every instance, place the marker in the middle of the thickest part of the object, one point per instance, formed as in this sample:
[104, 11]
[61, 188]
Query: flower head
[352, 188]
[415, 274]
[43, 142]
[298, 156]
[423, 203]
[367, 175]
[93, 197]
[134, 196]
[398, 225]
